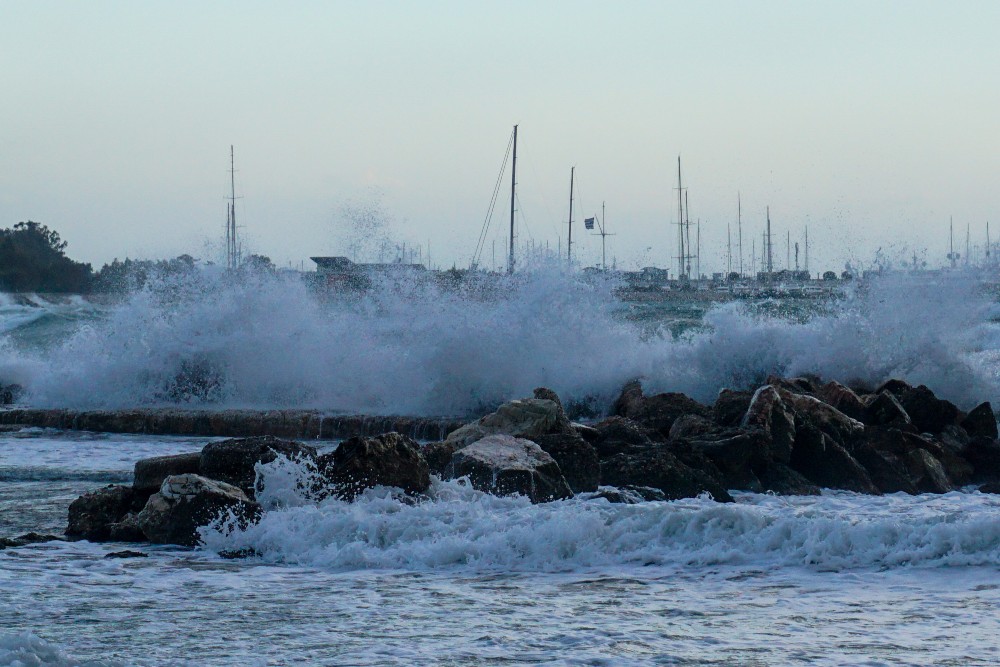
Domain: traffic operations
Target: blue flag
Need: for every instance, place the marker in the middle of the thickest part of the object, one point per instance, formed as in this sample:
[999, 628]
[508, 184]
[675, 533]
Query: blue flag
[588, 223]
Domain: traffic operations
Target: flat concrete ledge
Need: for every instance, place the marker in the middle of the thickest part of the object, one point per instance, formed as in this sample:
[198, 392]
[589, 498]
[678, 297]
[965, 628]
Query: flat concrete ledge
[300, 424]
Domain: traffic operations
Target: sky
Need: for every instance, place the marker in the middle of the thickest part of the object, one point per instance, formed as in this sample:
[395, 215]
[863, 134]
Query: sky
[871, 123]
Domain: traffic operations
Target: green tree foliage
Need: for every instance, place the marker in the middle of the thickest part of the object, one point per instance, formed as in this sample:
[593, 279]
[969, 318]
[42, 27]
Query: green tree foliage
[131, 274]
[33, 259]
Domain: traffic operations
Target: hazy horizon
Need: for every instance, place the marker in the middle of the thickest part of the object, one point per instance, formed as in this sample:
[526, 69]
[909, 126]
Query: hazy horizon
[870, 122]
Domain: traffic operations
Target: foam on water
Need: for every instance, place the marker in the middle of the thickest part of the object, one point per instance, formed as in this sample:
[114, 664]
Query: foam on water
[27, 650]
[463, 528]
[421, 349]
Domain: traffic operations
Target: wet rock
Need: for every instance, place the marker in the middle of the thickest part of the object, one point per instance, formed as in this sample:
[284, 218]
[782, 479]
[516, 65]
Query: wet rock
[391, 459]
[659, 469]
[895, 387]
[505, 465]
[927, 473]
[928, 412]
[523, 418]
[691, 426]
[126, 554]
[809, 411]
[127, 529]
[576, 457]
[886, 410]
[657, 412]
[826, 463]
[990, 487]
[233, 461]
[902, 443]
[778, 478]
[438, 456]
[768, 414]
[795, 385]
[981, 422]
[28, 538]
[186, 503]
[735, 454]
[10, 393]
[843, 399]
[92, 514]
[731, 406]
[629, 495]
[984, 455]
[150, 473]
[617, 435]
[886, 471]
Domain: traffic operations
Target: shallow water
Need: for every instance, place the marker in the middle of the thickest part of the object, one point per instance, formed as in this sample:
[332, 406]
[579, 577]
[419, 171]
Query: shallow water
[466, 578]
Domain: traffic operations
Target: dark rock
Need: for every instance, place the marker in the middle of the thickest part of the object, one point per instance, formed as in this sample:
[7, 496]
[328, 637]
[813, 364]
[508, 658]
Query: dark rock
[10, 394]
[618, 435]
[233, 461]
[990, 487]
[28, 538]
[126, 554]
[769, 414]
[782, 480]
[886, 410]
[902, 443]
[127, 529]
[505, 465]
[928, 412]
[895, 387]
[843, 399]
[438, 456]
[92, 514]
[150, 473]
[659, 469]
[576, 457]
[629, 495]
[809, 411]
[984, 455]
[826, 463]
[691, 426]
[239, 554]
[735, 454]
[981, 422]
[186, 503]
[731, 406]
[886, 471]
[657, 412]
[796, 385]
[385, 460]
[588, 433]
[523, 418]
[927, 473]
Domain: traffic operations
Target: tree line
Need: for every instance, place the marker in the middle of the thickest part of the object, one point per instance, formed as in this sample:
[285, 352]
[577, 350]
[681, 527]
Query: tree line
[33, 259]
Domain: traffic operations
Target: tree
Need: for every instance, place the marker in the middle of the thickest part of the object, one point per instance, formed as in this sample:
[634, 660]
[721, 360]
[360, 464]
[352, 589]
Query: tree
[33, 259]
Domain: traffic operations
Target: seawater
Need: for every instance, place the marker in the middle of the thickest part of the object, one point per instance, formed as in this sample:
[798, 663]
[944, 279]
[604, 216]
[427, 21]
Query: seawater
[467, 578]
[463, 577]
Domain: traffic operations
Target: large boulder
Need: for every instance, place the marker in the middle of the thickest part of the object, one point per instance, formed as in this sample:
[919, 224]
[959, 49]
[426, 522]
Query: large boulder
[769, 414]
[150, 473]
[657, 412]
[390, 459]
[438, 456]
[843, 398]
[233, 461]
[731, 406]
[885, 470]
[884, 409]
[779, 479]
[617, 435]
[928, 412]
[984, 455]
[981, 422]
[658, 468]
[735, 454]
[927, 473]
[505, 465]
[576, 457]
[522, 418]
[809, 411]
[823, 461]
[92, 515]
[186, 503]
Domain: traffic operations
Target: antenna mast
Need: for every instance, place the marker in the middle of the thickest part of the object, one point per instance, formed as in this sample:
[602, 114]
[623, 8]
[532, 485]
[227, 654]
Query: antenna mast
[232, 246]
[513, 193]
[680, 222]
[770, 263]
[569, 240]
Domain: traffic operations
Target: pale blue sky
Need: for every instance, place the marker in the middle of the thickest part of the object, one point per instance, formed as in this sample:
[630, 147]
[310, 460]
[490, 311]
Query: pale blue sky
[871, 121]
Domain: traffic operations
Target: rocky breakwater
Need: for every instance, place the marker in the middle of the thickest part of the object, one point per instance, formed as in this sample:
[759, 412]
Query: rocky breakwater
[789, 436]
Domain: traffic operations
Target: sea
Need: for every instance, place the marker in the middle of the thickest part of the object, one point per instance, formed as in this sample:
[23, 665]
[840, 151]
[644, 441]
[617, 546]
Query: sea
[462, 577]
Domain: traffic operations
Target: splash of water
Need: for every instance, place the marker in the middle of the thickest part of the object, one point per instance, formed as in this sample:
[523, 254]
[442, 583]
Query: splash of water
[422, 347]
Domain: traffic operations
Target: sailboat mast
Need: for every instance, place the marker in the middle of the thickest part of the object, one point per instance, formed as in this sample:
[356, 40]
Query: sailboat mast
[680, 222]
[687, 238]
[232, 260]
[770, 263]
[604, 229]
[513, 193]
[807, 250]
[569, 240]
[729, 249]
[739, 224]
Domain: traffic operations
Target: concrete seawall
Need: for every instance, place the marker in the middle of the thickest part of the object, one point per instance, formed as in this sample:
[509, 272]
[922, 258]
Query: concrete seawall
[301, 424]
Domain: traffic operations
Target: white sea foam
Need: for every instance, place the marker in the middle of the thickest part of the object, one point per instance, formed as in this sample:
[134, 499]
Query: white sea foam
[459, 527]
[28, 650]
[423, 349]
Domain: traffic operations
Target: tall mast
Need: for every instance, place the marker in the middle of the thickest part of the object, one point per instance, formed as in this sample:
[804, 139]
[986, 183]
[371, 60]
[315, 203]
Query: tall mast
[680, 221]
[807, 250]
[687, 238]
[569, 240]
[788, 249]
[968, 232]
[951, 241]
[770, 263]
[697, 253]
[987, 241]
[739, 224]
[232, 253]
[729, 249]
[604, 256]
[513, 193]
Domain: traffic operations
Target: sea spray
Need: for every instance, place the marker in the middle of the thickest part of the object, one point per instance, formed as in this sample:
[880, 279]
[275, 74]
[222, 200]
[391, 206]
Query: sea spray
[430, 346]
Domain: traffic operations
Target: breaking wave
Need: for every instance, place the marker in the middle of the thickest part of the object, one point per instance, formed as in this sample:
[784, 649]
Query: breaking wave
[426, 349]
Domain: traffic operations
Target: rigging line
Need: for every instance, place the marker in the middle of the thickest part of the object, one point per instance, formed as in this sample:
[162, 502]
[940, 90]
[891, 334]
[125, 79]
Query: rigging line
[481, 243]
[552, 220]
[524, 220]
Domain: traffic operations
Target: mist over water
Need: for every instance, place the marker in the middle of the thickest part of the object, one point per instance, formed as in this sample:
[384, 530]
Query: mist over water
[416, 347]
